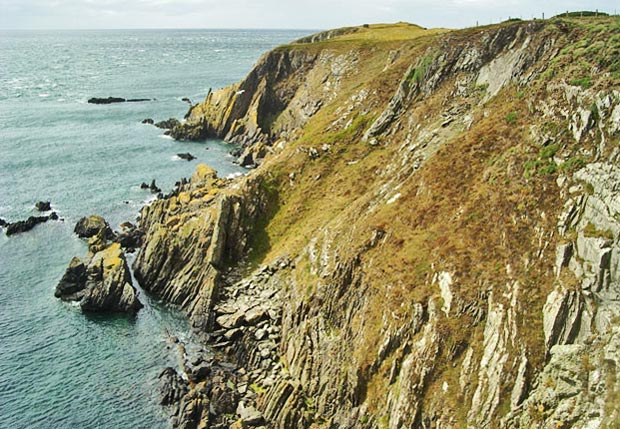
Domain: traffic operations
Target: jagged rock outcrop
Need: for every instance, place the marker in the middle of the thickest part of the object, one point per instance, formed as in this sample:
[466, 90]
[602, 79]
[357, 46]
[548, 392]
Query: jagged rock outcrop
[91, 226]
[101, 282]
[43, 206]
[20, 226]
[447, 207]
[191, 234]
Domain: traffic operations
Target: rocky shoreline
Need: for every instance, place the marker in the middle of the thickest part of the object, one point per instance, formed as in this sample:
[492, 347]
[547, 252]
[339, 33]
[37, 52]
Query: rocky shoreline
[242, 360]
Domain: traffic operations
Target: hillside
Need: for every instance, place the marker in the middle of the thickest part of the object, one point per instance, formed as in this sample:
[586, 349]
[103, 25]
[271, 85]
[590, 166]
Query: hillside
[430, 239]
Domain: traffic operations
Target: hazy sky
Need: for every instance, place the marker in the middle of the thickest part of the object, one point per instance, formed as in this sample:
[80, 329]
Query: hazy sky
[312, 14]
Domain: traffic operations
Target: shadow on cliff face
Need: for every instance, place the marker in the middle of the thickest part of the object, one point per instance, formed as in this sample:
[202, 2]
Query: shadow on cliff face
[260, 243]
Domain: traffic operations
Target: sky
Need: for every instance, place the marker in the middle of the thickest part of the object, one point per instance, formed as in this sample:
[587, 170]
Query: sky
[289, 14]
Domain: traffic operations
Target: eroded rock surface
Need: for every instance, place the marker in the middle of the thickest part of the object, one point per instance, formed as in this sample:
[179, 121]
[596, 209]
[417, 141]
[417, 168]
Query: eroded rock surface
[101, 282]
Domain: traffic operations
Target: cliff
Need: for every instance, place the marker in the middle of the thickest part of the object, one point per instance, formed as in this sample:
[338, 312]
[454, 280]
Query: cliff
[430, 240]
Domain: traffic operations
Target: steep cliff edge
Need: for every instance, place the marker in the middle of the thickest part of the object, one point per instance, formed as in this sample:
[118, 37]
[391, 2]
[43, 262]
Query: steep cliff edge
[431, 239]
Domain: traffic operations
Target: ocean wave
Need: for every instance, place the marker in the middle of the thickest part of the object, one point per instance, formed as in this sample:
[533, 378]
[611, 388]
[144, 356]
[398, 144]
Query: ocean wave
[235, 175]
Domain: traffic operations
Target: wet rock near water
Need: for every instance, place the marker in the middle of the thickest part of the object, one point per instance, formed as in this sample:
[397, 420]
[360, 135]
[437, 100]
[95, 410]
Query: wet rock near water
[186, 156]
[112, 100]
[28, 224]
[43, 206]
[247, 332]
[74, 279]
[188, 132]
[90, 226]
[152, 187]
[172, 387]
[130, 238]
[3, 223]
[167, 124]
[101, 282]
[148, 121]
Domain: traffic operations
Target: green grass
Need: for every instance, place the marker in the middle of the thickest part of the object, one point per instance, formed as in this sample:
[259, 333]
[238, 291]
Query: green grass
[584, 82]
[512, 117]
[573, 164]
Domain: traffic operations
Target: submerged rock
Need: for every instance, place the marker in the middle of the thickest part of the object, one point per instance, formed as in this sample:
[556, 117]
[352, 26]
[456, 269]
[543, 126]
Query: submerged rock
[43, 206]
[148, 121]
[187, 156]
[108, 100]
[111, 100]
[91, 225]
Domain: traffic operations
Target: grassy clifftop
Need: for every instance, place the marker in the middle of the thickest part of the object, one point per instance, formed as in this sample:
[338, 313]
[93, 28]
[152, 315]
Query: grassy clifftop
[449, 200]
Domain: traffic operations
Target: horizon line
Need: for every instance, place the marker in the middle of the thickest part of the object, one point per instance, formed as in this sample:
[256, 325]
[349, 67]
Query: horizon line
[171, 28]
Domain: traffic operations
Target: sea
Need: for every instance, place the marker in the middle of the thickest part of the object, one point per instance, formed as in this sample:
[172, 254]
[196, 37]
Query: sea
[60, 368]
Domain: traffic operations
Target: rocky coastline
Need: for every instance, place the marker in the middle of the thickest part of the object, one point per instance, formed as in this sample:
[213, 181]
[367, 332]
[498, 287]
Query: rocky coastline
[430, 238]
[352, 279]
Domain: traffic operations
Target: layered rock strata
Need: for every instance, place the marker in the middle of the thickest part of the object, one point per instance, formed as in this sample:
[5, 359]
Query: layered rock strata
[101, 282]
[430, 240]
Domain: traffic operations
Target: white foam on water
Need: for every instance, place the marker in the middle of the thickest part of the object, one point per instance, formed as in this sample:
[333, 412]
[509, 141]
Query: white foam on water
[163, 136]
[234, 175]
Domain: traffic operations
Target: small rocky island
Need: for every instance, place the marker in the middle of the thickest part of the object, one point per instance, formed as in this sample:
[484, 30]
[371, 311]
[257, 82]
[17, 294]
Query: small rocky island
[100, 282]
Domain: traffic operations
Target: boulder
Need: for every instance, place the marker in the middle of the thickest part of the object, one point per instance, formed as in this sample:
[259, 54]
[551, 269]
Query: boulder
[91, 225]
[167, 124]
[172, 387]
[250, 416]
[3, 223]
[130, 238]
[73, 281]
[43, 206]
[148, 121]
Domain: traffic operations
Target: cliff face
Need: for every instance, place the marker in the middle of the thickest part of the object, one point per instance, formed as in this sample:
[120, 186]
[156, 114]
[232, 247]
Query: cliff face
[437, 219]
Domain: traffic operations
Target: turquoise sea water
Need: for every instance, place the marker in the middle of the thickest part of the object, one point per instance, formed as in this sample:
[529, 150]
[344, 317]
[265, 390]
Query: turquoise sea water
[58, 367]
